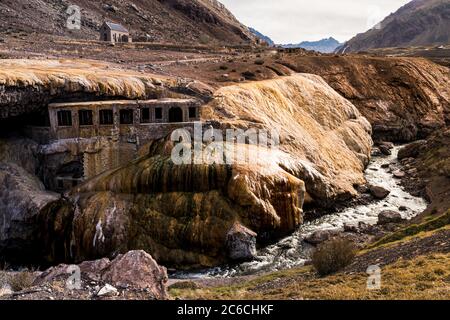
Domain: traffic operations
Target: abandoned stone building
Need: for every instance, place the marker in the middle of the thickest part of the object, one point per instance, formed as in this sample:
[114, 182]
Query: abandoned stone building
[97, 136]
[114, 32]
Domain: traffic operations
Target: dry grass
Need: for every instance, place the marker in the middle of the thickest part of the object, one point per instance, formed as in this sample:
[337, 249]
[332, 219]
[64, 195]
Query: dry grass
[333, 256]
[426, 277]
[21, 280]
[78, 75]
[430, 225]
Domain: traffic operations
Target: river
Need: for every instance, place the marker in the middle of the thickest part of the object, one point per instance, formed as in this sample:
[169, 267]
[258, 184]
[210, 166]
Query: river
[292, 251]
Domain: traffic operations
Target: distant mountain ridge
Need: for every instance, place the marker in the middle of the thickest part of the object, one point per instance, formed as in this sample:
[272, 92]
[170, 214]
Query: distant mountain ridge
[261, 36]
[325, 45]
[418, 23]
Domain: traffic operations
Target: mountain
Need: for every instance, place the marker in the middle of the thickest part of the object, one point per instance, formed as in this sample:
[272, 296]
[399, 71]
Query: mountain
[418, 23]
[263, 37]
[324, 45]
[169, 21]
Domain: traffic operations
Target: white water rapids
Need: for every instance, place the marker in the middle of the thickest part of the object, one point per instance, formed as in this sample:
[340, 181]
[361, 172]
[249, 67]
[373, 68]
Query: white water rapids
[292, 251]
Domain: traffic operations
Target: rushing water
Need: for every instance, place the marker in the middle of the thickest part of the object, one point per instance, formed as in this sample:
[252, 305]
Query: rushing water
[292, 251]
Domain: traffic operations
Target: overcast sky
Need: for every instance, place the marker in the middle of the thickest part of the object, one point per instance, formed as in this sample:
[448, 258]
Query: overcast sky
[293, 21]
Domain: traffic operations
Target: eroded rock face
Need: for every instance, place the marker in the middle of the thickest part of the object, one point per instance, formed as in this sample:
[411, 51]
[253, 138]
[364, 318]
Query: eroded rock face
[404, 99]
[427, 170]
[327, 138]
[22, 199]
[182, 214]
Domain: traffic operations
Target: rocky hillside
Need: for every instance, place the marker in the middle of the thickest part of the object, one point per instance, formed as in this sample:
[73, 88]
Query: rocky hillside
[171, 21]
[418, 23]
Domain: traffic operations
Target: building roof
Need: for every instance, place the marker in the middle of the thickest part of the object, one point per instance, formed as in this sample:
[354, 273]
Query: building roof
[116, 27]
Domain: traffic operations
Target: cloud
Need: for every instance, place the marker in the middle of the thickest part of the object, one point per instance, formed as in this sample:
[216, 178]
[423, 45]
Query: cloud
[292, 21]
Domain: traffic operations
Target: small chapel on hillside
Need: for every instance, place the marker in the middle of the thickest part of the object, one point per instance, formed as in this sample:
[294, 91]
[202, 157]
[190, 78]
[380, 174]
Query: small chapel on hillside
[114, 32]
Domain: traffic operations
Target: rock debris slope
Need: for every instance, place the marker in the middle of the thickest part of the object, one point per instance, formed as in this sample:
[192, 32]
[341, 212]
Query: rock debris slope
[169, 21]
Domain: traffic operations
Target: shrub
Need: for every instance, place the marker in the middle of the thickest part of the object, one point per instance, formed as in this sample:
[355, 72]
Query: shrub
[223, 67]
[332, 256]
[21, 280]
[259, 62]
[203, 39]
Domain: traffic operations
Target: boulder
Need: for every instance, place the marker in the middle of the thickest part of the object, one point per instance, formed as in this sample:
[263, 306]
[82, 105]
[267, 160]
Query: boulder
[23, 200]
[411, 150]
[384, 149]
[320, 236]
[139, 270]
[351, 228]
[398, 174]
[93, 269]
[376, 152]
[387, 144]
[241, 243]
[135, 269]
[389, 216]
[107, 291]
[379, 192]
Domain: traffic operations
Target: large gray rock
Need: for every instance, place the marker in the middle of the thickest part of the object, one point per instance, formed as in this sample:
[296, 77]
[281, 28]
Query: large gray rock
[385, 149]
[22, 199]
[411, 150]
[320, 236]
[137, 269]
[379, 192]
[241, 243]
[133, 270]
[389, 216]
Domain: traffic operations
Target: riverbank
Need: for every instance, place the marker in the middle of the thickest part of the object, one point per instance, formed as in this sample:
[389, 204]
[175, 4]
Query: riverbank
[413, 265]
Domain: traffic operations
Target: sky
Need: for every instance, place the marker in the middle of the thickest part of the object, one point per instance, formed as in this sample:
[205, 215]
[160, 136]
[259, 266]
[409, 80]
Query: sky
[293, 21]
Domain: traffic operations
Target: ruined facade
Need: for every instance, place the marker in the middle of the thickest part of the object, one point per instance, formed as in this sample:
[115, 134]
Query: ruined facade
[98, 136]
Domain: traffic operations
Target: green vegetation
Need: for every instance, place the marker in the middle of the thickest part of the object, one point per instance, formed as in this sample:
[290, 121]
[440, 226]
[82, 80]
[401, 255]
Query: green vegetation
[415, 229]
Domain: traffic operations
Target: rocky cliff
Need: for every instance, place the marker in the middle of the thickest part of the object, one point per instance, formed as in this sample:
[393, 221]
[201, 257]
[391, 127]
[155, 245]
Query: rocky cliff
[403, 98]
[183, 214]
[193, 214]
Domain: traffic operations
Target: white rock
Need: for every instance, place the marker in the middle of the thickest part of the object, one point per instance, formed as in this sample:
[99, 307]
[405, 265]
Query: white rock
[107, 290]
[6, 291]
